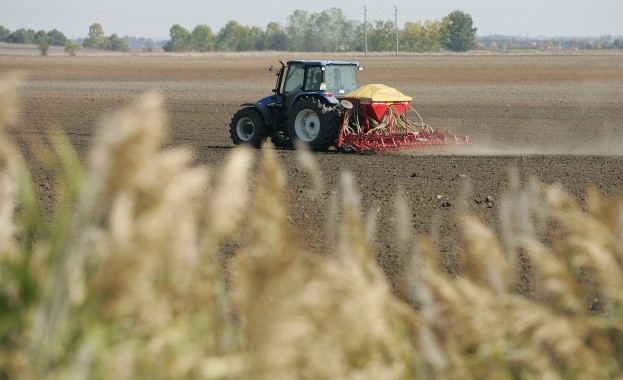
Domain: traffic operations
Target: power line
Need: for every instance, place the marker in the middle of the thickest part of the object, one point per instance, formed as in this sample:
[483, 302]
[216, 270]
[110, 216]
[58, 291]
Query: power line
[396, 19]
[365, 26]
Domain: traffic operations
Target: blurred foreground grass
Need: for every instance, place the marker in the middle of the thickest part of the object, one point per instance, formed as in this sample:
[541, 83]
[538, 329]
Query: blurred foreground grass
[126, 280]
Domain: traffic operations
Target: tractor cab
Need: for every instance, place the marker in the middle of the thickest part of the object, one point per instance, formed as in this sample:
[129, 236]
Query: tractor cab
[330, 79]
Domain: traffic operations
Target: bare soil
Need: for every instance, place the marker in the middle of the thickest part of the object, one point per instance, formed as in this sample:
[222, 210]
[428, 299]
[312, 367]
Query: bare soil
[552, 116]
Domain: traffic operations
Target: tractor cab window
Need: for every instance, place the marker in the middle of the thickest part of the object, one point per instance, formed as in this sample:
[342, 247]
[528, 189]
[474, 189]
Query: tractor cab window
[341, 79]
[313, 78]
[294, 79]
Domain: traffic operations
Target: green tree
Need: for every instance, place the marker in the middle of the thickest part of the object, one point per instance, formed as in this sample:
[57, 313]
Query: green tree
[297, 28]
[57, 38]
[22, 36]
[329, 29]
[459, 33]
[418, 37]
[72, 48]
[351, 35]
[202, 38]
[439, 32]
[275, 37]
[96, 38]
[234, 37]
[316, 36]
[43, 47]
[358, 40]
[323, 31]
[4, 33]
[422, 37]
[180, 39]
[256, 40]
[413, 37]
[382, 36]
[41, 36]
[116, 43]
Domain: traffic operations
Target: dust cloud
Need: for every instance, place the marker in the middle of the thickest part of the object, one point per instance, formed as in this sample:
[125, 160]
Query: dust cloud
[603, 141]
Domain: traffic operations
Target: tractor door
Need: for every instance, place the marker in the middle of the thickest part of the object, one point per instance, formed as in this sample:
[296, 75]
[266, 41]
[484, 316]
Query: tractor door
[293, 84]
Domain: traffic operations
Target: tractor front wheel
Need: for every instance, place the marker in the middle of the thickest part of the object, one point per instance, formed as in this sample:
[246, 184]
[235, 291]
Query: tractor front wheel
[314, 122]
[248, 127]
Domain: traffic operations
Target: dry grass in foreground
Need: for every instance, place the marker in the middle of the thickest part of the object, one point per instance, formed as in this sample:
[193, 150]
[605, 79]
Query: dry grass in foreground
[125, 280]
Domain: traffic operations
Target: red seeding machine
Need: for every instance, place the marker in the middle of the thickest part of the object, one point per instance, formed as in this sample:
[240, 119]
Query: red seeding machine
[376, 120]
[320, 104]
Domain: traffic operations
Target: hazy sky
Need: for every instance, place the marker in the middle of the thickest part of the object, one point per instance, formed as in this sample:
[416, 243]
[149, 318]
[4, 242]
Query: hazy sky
[154, 18]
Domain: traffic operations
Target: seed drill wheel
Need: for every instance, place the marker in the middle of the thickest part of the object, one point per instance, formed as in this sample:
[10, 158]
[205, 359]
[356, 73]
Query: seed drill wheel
[314, 122]
[280, 141]
[248, 127]
[345, 148]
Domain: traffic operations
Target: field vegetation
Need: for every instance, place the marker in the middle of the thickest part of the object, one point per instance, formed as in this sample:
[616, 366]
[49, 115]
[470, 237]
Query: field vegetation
[127, 276]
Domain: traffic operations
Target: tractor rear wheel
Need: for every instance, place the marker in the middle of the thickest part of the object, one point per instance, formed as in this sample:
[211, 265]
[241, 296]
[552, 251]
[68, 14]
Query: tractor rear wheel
[248, 127]
[314, 122]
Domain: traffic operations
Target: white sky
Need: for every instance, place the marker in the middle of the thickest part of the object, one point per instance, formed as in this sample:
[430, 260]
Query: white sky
[154, 18]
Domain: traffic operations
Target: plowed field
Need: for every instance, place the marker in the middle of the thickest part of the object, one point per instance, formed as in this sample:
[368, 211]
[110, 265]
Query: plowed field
[552, 116]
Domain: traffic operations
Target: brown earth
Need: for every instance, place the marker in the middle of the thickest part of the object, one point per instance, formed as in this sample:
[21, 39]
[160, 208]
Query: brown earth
[554, 116]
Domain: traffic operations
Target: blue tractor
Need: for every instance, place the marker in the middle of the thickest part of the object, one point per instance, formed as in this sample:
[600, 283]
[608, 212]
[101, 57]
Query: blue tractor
[306, 106]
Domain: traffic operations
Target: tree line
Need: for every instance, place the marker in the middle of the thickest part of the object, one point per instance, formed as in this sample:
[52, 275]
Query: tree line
[95, 40]
[29, 36]
[329, 31]
[500, 42]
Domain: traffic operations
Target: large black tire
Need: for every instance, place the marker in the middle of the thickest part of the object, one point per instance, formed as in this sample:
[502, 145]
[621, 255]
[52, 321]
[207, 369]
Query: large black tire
[314, 122]
[248, 127]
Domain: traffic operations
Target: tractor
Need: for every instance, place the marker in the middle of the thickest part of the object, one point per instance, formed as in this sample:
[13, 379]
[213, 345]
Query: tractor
[305, 106]
[320, 104]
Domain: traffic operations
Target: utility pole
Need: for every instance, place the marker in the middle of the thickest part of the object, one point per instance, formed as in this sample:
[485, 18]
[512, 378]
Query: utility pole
[396, 20]
[365, 26]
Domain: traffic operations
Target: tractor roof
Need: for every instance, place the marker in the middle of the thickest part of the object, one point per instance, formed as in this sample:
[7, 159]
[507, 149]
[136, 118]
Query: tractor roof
[323, 63]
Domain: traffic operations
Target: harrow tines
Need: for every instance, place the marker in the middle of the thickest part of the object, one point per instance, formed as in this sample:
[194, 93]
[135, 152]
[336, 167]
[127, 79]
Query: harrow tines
[363, 143]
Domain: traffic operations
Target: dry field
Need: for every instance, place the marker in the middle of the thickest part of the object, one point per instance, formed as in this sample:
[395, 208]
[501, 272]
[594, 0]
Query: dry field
[118, 272]
[556, 117]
